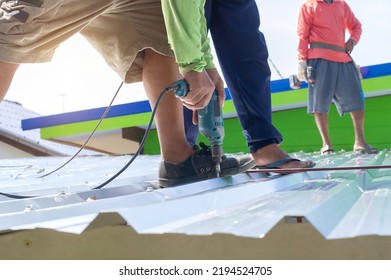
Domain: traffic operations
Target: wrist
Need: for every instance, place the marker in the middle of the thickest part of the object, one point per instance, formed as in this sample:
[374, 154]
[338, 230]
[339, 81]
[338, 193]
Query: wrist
[197, 66]
[303, 63]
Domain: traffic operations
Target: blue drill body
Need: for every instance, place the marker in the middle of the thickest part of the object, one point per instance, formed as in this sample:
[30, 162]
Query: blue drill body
[210, 122]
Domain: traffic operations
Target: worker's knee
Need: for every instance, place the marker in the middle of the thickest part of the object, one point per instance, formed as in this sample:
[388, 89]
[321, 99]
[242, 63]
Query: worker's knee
[7, 71]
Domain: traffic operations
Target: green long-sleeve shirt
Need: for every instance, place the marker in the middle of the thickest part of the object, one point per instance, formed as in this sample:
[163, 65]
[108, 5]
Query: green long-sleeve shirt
[187, 34]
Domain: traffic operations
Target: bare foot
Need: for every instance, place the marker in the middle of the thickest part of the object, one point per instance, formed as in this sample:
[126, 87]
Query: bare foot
[273, 153]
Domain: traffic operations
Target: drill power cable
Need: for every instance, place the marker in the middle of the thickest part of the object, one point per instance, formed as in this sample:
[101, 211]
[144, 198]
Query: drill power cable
[173, 86]
[89, 137]
[296, 170]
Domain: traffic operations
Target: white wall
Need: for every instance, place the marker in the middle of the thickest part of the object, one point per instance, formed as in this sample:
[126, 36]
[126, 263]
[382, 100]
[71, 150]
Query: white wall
[109, 141]
[7, 151]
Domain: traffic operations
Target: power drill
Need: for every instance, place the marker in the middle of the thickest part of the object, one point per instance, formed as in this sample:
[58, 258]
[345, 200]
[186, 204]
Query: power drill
[295, 83]
[210, 122]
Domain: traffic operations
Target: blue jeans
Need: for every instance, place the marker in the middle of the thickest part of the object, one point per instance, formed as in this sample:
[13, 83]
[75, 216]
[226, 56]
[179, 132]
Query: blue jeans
[243, 56]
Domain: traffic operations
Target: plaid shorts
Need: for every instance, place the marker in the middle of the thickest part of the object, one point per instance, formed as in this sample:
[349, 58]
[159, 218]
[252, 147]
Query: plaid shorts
[31, 30]
[335, 82]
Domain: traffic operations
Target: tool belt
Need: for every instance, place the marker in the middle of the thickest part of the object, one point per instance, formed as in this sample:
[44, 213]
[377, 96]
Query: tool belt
[335, 48]
[327, 46]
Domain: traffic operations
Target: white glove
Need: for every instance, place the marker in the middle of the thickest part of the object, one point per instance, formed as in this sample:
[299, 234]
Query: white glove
[302, 71]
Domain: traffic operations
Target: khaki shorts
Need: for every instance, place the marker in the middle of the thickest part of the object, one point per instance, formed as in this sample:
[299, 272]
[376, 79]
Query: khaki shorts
[31, 30]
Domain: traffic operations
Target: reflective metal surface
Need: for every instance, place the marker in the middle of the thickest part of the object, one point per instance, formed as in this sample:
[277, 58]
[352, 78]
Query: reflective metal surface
[339, 204]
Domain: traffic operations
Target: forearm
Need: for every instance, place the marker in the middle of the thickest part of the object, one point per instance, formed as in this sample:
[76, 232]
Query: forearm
[353, 24]
[355, 30]
[303, 49]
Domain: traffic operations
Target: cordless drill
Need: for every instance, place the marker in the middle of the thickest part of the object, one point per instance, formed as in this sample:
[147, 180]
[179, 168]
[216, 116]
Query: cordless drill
[210, 122]
[295, 83]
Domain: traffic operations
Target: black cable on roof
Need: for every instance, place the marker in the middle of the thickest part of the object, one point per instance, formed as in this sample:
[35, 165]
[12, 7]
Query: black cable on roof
[173, 86]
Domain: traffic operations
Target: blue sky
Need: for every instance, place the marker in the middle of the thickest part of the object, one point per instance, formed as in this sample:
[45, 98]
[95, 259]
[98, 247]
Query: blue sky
[78, 78]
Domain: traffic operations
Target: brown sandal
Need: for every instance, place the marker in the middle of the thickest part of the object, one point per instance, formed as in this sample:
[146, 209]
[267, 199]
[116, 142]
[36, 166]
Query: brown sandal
[326, 150]
[367, 149]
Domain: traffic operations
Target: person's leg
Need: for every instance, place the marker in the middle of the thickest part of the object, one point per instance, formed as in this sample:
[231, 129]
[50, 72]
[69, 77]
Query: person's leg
[360, 144]
[7, 71]
[191, 129]
[350, 98]
[358, 125]
[30, 31]
[243, 55]
[180, 162]
[321, 94]
[159, 72]
[322, 123]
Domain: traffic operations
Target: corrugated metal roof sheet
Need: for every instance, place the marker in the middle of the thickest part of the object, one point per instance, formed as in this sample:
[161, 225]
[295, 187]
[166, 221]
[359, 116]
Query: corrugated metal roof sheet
[339, 204]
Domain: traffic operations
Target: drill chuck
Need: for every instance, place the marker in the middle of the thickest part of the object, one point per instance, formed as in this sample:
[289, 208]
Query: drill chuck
[210, 122]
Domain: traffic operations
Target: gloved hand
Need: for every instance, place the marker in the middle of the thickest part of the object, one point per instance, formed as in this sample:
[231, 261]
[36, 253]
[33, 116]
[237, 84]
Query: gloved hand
[302, 71]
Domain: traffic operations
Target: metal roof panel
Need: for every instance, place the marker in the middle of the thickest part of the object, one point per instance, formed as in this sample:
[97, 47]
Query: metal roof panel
[339, 204]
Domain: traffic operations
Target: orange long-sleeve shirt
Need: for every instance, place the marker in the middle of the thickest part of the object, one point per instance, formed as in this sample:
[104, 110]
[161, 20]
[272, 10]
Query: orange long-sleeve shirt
[326, 23]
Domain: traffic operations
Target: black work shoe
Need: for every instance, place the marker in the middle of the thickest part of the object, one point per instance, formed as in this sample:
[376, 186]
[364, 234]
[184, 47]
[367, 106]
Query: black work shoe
[201, 166]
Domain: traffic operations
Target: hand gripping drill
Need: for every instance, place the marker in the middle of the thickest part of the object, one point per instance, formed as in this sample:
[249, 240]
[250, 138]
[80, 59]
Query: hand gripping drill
[210, 122]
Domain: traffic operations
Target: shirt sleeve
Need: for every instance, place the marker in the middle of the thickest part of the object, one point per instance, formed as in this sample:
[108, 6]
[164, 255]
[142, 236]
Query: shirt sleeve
[353, 25]
[187, 34]
[303, 31]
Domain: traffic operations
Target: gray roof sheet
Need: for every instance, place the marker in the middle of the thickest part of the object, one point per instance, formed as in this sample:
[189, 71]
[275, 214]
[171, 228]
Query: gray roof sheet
[339, 204]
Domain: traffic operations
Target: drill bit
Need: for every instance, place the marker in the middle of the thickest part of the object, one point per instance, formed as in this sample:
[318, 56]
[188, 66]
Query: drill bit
[217, 153]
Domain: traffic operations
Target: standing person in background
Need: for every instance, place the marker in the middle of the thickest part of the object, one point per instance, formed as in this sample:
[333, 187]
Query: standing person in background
[243, 55]
[334, 77]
